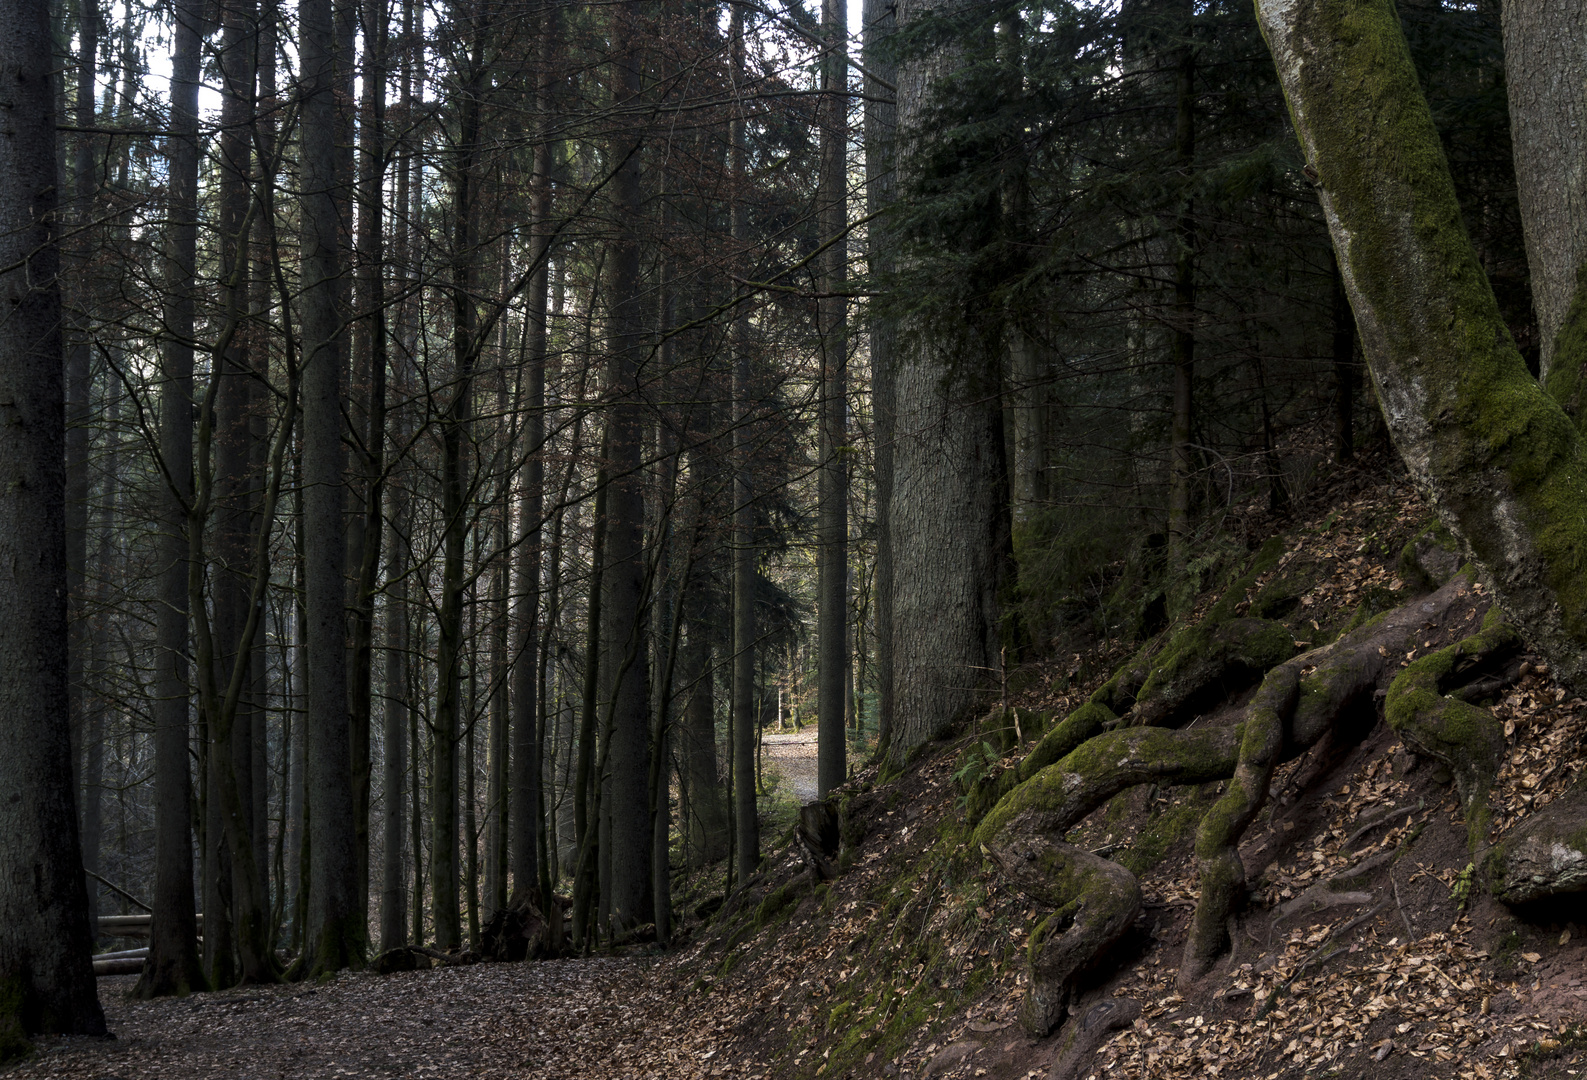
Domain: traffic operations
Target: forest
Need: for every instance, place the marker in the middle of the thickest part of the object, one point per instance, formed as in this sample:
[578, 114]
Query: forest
[745, 538]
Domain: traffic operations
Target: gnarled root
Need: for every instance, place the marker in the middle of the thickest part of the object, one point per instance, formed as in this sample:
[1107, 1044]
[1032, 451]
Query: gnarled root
[1299, 701]
[1095, 899]
[1465, 737]
[1218, 837]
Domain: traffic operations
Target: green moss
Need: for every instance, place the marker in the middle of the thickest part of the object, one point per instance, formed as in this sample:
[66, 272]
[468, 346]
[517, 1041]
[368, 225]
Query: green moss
[1162, 833]
[1464, 737]
[780, 902]
[1502, 456]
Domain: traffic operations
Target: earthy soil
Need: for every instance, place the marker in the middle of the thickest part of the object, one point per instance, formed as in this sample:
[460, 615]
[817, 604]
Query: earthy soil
[911, 963]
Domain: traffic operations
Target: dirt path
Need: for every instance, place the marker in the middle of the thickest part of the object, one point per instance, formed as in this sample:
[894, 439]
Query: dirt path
[560, 1020]
[794, 754]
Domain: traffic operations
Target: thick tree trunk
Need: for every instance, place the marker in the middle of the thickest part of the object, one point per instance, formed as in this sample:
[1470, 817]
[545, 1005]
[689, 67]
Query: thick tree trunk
[949, 507]
[45, 940]
[1500, 460]
[832, 586]
[1545, 69]
[173, 965]
[335, 933]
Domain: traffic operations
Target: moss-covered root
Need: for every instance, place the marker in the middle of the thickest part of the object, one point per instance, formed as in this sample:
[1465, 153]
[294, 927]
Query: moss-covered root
[1218, 837]
[1080, 725]
[1055, 799]
[1207, 663]
[1464, 737]
[1095, 901]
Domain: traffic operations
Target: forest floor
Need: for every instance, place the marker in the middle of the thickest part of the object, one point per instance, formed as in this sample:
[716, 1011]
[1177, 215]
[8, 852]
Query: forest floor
[910, 965]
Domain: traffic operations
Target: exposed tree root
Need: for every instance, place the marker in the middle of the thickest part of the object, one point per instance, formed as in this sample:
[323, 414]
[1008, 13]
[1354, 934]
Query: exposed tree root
[1465, 737]
[1080, 765]
[1547, 856]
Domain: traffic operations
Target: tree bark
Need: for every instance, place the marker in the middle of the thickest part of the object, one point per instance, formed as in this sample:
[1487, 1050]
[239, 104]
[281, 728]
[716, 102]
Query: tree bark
[949, 506]
[742, 719]
[45, 940]
[335, 933]
[173, 965]
[1500, 460]
[625, 572]
[525, 819]
[1545, 69]
[832, 586]
[881, 114]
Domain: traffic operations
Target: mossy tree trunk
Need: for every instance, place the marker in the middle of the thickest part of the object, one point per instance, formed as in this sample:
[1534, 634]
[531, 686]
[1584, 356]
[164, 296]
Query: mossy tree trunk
[1498, 457]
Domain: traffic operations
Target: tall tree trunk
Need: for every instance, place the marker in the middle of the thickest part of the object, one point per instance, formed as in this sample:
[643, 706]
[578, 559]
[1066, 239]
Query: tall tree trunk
[950, 495]
[525, 817]
[1545, 70]
[832, 587]
[585, 776]
[394, 733]
[370, 363]
[625, 572]
[455, 425]
[78, 384]
[45, 940]
[335, 934]
[86, 716]
[173, 965]
[742, 721]
[1502, 462]
[881, 113]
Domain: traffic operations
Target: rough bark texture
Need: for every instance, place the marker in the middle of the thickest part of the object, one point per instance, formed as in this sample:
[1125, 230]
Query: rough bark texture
[949, 506]
[1545, 70]
[46, 977]
[1500, 460]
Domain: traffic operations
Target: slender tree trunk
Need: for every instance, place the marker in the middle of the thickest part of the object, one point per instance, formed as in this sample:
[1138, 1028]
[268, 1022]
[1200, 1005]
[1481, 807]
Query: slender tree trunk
[371, 364]
[394, 734]
[78, 384]
[455, 427]
[880, 120]
[335, 934]
[585, 780]
[742, 721]
[525, 817]
[630, 904]
[45, 941]
[173, 966]
[832, 325]
[85, 712]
